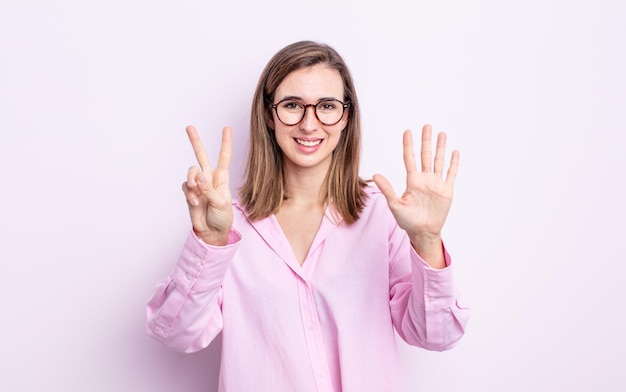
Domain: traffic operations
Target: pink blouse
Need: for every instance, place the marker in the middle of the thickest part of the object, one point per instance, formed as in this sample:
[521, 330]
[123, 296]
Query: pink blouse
[327, 325]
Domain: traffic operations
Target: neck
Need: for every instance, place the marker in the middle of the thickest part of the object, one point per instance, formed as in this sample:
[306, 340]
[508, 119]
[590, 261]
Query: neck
[305, 186]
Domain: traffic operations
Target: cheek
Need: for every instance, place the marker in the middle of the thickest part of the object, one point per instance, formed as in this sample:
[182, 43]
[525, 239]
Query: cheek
[341, 131]
[338, 136]
[282, 134]
[344, 122]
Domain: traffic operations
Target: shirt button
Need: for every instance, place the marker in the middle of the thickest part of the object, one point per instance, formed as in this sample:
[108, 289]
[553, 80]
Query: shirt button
[311, 327]
[432, 283]
[196, 259]
[188, 276]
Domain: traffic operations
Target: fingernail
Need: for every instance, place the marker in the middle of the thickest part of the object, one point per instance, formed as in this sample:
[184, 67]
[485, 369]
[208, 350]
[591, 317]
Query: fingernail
[201, 179]
[194, 202]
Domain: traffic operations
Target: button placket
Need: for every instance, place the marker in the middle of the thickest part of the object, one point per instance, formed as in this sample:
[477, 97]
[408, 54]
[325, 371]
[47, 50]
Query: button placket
[313, 336]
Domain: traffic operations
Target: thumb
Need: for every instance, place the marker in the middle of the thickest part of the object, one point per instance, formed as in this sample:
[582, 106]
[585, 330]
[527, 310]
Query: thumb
[385, 187]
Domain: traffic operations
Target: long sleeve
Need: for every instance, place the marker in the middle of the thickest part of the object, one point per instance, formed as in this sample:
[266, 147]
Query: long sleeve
[427, 309]
[185, 311]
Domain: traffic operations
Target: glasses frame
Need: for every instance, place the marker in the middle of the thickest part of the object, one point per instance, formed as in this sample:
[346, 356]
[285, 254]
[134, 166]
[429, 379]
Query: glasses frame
[344, 106]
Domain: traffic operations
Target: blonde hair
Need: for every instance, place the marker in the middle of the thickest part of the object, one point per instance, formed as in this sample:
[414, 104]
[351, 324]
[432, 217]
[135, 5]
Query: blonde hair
[264, 187]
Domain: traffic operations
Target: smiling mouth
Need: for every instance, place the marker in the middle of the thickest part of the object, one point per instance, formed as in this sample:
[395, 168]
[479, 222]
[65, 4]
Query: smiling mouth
[309, 143]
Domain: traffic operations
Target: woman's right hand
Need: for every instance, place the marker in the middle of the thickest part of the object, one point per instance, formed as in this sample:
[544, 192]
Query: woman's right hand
[207, 191]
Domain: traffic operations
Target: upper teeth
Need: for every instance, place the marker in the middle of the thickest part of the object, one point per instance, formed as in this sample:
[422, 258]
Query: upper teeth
[308, 143]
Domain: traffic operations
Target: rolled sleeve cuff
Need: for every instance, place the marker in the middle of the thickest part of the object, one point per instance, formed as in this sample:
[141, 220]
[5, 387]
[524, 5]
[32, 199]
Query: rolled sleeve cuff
[201, 267]
[438, 284]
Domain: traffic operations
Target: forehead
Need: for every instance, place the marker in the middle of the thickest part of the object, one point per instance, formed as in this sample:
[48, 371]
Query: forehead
[312, 83]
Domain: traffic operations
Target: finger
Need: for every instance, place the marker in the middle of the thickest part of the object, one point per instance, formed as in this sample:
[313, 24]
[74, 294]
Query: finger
[193, 199]
[427, 154]
[454, 167]
[408, 152]
[192, 173]
[385, 187]
[440, 153]
[226, 149]
[198, 148]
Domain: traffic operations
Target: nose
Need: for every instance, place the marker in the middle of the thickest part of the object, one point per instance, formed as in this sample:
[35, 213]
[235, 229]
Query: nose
[309, 122]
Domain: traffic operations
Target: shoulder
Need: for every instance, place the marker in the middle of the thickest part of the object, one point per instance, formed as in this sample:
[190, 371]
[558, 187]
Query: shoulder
[241, 216]
[239, 212]
[239, 209]
[373, 195]
[375, 204]
[237, 206]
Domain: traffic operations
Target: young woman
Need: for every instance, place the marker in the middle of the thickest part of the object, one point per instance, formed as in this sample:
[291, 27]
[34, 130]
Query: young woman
[309, 274]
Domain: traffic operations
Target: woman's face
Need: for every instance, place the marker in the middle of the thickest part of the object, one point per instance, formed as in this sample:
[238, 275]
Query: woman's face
[309, 144]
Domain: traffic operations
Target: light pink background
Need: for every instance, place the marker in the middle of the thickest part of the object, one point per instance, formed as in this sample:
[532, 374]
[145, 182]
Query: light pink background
[94, 99]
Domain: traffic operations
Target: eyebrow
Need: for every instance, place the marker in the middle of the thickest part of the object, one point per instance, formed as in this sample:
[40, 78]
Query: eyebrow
[296, 98]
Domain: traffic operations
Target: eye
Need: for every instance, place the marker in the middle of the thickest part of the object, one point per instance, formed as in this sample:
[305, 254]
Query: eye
[327, 106]
[292, 105]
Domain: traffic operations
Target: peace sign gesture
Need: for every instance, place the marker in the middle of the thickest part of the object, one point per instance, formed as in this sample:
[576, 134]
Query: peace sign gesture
[423, 207]
[207, 191]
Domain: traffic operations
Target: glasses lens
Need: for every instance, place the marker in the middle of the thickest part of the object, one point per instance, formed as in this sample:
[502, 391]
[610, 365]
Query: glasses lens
[290, 112]
[329, 112]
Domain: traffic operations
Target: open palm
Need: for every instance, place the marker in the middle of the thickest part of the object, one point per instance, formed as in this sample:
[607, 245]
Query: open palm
[423, 207]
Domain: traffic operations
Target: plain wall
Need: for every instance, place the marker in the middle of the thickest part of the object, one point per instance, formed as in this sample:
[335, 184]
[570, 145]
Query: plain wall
[94, 99]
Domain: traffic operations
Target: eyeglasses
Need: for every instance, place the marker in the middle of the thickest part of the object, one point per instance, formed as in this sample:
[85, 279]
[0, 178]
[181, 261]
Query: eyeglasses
[292, 111]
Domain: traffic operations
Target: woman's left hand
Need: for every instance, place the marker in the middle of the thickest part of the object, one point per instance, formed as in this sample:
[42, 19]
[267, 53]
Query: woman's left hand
[423, 207]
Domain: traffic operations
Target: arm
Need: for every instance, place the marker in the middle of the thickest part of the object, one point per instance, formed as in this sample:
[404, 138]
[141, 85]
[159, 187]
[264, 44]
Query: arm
[426, 308]
[185, 311]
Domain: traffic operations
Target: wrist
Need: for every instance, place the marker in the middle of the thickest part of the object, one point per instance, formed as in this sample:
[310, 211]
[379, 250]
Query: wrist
[214, 238]
[430, 249]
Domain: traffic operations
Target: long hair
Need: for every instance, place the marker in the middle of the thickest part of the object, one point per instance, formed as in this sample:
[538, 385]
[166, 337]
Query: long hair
[264, 188]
